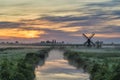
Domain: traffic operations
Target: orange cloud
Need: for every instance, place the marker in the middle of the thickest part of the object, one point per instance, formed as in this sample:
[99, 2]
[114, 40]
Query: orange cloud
[110, 35]
[44, 24]
[107, 35]
[18, 33]
[113, 22]
[70, 29]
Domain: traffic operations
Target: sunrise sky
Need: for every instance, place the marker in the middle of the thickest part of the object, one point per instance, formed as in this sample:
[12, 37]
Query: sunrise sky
[63, 20]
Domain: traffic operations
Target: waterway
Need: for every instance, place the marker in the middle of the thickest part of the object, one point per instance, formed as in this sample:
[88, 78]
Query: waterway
[56, 68]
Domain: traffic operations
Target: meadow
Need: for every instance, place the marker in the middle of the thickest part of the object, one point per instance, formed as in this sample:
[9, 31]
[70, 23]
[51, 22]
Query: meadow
[18, 63]
[101, 64]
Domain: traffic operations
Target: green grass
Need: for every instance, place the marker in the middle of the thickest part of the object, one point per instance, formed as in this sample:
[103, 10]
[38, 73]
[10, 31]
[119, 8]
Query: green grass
[16, 54]
[19, 63]
[100, 64]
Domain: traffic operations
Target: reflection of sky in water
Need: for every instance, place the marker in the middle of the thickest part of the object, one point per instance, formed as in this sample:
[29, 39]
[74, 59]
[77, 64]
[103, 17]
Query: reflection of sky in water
[56, 68]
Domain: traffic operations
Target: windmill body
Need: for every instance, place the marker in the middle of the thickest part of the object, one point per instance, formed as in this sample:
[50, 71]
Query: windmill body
[89, 42]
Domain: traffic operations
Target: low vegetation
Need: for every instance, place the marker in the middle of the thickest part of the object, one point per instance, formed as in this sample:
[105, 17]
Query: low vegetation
[17, 64]
[100, 66]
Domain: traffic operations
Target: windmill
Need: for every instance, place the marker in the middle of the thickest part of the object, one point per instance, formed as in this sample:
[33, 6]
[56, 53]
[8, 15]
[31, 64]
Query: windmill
[89, 42]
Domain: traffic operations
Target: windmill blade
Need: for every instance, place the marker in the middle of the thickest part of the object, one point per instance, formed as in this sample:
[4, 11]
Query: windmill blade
[92, 43]
[91, 35]
[85, 36]
[85, 43]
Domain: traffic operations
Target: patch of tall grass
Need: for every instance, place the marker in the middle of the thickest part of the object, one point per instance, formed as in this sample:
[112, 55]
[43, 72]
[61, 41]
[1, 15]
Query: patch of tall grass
[20, 65]
[101, 66]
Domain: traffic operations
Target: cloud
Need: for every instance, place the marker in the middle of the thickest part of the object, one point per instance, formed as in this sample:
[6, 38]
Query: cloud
[111, 3]
[18, 30]
[111, 29]
[94, 18]
[105, 9]
[65, 27]
[116, 12]
[59, 36]
[10, 25]
[69, 29]
[63, 18]
[74, 25]
[19, 33]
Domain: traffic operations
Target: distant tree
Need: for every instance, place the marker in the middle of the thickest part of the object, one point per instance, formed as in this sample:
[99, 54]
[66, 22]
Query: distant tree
[16, 42]
[3, 42]
[42, 42]
[48, 41]
[63, 42]
[7, 42]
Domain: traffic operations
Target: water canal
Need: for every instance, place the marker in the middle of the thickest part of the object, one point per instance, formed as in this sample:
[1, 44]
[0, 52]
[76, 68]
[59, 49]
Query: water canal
[56, 68]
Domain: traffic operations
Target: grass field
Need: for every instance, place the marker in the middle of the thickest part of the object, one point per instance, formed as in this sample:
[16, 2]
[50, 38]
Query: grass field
[102, 64]
[16, 54]
[18, 63]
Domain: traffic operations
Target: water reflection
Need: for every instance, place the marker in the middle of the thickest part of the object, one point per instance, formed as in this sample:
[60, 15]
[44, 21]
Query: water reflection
[56, 68]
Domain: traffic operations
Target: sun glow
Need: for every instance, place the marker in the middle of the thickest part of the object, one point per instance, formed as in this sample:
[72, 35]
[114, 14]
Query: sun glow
[16, 33]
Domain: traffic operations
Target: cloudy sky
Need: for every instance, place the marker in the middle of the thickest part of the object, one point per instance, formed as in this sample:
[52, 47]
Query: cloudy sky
[36, 20]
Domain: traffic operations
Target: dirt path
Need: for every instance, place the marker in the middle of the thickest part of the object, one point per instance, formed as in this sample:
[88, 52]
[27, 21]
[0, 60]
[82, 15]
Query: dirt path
[56, 68]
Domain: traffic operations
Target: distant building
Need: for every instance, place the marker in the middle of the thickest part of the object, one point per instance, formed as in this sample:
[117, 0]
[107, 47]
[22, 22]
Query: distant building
[51, 42]
[98, 44]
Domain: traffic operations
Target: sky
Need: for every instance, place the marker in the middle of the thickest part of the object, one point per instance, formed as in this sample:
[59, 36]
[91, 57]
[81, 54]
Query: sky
[63, 20]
